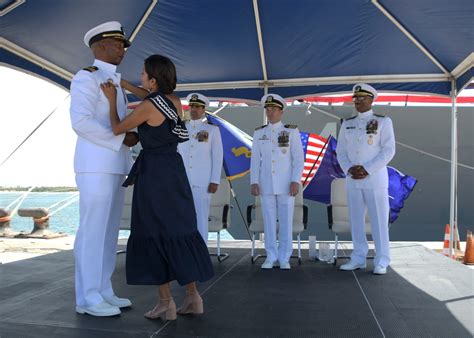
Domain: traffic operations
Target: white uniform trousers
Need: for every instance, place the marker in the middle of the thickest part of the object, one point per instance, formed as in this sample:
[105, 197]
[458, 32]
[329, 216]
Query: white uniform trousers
[202, 202]
[375, 201]
[101, 198]
[279, 207]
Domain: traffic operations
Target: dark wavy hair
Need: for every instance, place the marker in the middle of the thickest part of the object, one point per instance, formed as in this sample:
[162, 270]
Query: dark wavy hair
[161, 69]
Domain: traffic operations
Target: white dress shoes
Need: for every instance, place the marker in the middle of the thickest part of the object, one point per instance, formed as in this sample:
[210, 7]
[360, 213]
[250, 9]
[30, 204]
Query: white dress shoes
[268, 264]
[285, 266]
[352, 266]
[103, 309]
[118, 302]
[380, 270]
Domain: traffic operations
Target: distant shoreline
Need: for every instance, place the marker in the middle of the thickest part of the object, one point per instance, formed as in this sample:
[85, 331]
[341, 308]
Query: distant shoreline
[38, 189]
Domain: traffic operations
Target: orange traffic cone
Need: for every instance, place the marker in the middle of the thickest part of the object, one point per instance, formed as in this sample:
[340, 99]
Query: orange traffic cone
[446, 241]
[469, 253]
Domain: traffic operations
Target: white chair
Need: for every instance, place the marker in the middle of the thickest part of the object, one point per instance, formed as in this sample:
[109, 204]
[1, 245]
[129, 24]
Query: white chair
[300, 223]
[126, 218]
[338, 214]
[219, 215]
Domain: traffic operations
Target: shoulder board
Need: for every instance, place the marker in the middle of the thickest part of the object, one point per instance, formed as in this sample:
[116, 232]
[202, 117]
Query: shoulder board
[261, 127]
[91, 69]
[291, 126]
[350, 118]
[378, 115]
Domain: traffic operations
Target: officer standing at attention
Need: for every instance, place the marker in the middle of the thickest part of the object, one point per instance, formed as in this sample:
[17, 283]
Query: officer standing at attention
[365, 146]
[202, 157]
[101, 162]
[275, 173]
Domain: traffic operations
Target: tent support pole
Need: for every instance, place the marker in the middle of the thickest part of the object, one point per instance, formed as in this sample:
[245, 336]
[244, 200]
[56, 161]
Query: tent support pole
[262, 53]
[265, 92]
[454, 171]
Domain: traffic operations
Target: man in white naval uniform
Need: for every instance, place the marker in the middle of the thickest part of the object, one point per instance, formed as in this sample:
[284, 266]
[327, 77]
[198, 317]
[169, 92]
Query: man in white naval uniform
[101, 161]
[276, 166]
[202, 157]
[365, 146]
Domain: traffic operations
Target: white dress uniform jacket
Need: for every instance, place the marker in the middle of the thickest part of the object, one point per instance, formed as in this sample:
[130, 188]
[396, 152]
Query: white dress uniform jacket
[372, 151]
[202, 156]
[368, 140]
[98, 150]
[275, 165]
[101, 162]
[277, 160]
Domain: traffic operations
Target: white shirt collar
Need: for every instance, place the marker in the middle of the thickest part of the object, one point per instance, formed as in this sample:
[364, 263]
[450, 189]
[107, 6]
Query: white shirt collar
[108, 67]
[366, 115]
[275, 125]
[196, 123]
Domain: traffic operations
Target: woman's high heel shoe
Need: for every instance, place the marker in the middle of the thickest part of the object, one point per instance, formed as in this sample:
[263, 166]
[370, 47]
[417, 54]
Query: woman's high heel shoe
[166, 308]
[192, 304]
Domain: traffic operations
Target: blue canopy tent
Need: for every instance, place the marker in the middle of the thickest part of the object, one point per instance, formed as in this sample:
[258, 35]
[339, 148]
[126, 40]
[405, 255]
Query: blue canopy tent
[244, 48]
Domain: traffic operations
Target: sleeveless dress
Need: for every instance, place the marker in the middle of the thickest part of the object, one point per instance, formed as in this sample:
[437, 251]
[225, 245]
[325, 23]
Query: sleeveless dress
[164, 243]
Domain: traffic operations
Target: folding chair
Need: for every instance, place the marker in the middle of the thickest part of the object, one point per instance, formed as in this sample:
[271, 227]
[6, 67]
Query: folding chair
[300, 223]
[219, 215]
[338, 215]
[126, 218]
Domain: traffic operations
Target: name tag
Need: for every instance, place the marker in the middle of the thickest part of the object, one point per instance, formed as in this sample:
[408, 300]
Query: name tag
[350, 127]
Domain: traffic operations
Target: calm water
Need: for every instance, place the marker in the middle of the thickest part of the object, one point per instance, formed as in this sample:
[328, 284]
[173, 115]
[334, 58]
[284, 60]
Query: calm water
[65, 220]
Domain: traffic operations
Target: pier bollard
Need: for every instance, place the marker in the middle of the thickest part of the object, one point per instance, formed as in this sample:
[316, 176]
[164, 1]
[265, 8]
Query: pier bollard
[5, 229]
[40, 223]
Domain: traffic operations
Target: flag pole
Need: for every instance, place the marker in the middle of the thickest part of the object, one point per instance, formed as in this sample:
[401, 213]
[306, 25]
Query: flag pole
[314, 164]
[240, 210]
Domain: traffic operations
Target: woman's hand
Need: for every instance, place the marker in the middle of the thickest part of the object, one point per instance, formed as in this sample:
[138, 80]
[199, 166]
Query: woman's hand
[109, 90]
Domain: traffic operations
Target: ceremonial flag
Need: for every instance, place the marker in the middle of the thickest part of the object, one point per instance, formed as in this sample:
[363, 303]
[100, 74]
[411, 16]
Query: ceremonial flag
[313, 149]
[400, 187]
[237, 147]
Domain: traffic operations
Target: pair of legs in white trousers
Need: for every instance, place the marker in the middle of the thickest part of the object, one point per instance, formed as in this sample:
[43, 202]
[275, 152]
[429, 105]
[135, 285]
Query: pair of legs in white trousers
[375, 201]
[202, 202]
[279, 207]
[101, 199]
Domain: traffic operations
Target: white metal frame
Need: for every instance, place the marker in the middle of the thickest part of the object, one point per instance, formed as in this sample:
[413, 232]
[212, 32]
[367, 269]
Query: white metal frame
[254, 257]
[11, 7]
[220, 256]
[265, 83]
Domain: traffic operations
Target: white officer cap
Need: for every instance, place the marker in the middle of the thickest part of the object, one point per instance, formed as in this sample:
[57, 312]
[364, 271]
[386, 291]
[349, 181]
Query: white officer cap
[363, 89]
[273, 100]
[111, 29]
[198, 99]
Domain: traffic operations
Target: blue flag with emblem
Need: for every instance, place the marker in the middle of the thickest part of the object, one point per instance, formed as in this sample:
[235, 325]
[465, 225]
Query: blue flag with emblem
[400, 187]
[237, 147]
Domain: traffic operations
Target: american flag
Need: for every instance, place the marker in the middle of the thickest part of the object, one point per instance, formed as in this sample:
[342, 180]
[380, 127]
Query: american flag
[313, 145]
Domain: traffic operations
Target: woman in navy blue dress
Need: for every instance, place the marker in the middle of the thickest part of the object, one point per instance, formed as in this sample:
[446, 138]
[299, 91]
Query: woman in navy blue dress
[164, 243]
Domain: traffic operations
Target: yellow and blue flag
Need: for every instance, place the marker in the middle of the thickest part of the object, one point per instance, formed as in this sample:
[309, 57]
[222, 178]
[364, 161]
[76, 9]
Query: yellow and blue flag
[237, 146]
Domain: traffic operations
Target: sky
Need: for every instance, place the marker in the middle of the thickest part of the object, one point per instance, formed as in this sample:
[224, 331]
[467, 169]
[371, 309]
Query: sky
[46, 158]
